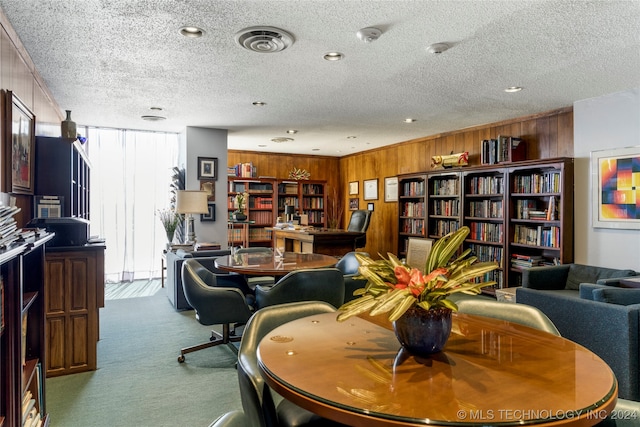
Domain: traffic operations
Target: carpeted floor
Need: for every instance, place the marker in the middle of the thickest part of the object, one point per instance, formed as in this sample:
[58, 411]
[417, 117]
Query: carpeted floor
[139, 381]
[135, 289]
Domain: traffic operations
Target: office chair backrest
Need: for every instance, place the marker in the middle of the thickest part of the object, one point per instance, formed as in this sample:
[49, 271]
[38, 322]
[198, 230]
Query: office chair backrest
[257, 400]
[349, 264]
[418, 250]
[359, 221]
[313, 284]
[214, 305]
[516, 313]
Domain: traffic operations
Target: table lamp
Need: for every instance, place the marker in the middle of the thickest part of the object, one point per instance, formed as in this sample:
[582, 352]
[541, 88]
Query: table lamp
[189, 203]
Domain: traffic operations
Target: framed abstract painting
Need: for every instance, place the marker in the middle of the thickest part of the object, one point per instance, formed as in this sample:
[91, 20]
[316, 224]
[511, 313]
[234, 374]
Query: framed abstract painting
[616, 188]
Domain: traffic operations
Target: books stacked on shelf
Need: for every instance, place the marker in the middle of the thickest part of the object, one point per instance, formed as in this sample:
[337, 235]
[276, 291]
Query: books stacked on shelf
[488, 253]
[260, 203]
[486, 185]
[502, 149]
[412, 226]
[256, 234]
[244, 170]
[486, 209]
[413, 188]
[8, 227]
[446, 187]
[413, 209]
[537, 215]
[537, 236]
[486, 231]
[30, 415]
[261, 217]
[313, 203]
[206, 246]
[536, 183]
[446, 207]
[525, 261]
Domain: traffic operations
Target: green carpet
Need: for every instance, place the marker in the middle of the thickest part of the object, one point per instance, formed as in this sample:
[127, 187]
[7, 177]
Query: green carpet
[139, 381]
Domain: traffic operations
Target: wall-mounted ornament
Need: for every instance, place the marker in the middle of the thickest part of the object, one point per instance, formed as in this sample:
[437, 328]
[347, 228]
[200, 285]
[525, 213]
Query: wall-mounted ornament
[299, 174]
[458, 159]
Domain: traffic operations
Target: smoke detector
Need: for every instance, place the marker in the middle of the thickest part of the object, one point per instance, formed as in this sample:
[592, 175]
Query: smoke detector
[369, 34]
[437, 48]
[264, 39]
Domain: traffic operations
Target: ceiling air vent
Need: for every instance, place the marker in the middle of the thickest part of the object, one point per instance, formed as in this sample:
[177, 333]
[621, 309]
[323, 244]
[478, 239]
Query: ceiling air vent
[264, 39]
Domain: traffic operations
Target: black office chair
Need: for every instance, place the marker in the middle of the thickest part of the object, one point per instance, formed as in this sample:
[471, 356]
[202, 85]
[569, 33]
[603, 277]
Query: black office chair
[262, 406]
[349, 265]
[313, 284]
[217, 299]
[359, 221]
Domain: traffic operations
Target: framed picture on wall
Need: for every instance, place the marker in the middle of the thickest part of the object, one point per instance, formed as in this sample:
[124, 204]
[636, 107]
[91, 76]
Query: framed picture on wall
[615, 188]
[19, 149]
[354, 204]
[208, 168]
[391, 189]
[353, 188]
[211, 215]
[371, 189]
[209, 187]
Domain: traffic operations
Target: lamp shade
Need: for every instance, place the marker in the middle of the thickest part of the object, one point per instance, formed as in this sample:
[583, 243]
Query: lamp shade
[191, 202]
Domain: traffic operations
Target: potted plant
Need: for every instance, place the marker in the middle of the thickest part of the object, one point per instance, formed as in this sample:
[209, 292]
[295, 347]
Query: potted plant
[418, 302]
[170, 220]
[240, 201]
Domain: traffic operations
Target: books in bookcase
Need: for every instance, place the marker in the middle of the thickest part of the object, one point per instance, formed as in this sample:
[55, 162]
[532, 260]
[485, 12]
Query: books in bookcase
[502, 149]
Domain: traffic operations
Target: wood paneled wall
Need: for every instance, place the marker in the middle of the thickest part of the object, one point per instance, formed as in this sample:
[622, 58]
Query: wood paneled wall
[18, 75]
[546, 135]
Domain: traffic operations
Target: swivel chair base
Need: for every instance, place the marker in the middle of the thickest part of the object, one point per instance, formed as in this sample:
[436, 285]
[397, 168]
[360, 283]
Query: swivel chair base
[227, 337]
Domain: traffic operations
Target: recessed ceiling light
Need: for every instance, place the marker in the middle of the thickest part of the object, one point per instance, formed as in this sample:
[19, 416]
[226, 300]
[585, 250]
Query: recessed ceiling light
[333, 56]
[281, 139]
[153, 118]
[190, 31]
[155, 108]
[369, 34]
[259, 103]
[351, 137]
[315, 149]
[292, 131]
[437, 48]
[513, 89]
[262, 145]
[409, 120]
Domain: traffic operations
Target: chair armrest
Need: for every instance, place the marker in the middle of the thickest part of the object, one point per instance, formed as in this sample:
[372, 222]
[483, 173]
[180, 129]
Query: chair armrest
[614, 281]
[545, 278]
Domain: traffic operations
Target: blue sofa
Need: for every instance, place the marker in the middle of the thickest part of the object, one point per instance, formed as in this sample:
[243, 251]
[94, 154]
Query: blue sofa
[588, 308]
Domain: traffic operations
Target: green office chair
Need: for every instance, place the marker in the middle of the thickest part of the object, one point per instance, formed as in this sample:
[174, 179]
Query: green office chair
[516, 313]
[349, 265]
[312, 284]
[232, 419]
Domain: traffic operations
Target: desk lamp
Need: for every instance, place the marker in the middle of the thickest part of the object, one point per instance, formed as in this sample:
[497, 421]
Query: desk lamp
[189, 203]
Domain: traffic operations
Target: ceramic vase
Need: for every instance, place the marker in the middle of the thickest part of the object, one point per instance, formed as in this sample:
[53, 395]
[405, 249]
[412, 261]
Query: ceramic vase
[68, 128]
[423, 332]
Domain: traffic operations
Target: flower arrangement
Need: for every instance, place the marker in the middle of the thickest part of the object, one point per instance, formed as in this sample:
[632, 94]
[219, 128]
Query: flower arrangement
[394, 286]
[241, 199]
[170, 220]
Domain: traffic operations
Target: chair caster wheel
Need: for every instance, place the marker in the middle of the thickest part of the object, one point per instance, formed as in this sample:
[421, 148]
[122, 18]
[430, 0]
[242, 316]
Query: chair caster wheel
[181, 359]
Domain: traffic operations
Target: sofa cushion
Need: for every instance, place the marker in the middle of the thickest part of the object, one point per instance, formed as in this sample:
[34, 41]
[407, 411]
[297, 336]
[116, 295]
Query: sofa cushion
[579, 273]
[619, 296]
[586, 290]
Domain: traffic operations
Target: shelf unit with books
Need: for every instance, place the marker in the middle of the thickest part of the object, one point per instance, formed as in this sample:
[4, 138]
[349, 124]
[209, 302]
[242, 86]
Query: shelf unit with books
[313, 202]
[412, 203]
[484, 214]
[444, 196]
[260, 210]
[540, 215]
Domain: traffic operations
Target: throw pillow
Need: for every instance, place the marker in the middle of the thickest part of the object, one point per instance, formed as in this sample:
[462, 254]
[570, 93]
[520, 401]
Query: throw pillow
[579, 273]
[619, 296]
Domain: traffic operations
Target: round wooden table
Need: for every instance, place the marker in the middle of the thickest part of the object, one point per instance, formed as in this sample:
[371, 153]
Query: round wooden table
[491, 372]
[264, 264]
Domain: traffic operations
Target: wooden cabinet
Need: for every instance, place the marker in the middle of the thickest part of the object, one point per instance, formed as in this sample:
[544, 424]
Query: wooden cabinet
[63, 171]
[412, 202]
[22, 333]
[519, 214]
[74, 291]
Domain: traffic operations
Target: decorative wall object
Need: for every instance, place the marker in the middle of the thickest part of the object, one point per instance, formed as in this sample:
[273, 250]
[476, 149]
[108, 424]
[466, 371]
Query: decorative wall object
[299, 174]
[371, 189]
[458, 159]
[19, 148]
[209, 187]
[616, 188]
[208, 168]
[211, 215]
[354, 204]
[353, 188]
[391, 189]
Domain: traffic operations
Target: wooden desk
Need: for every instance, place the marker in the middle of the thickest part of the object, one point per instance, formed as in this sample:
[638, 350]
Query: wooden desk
[630, 282]
[328, 242]
[261, 264]
[492, 372]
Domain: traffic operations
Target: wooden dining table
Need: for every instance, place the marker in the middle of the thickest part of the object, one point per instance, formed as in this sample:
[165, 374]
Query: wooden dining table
[266, 264]
[491, 372]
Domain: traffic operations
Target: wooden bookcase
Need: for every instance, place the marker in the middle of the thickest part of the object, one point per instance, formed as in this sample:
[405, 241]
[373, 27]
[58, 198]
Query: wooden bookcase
[412, 209]
[260, 210]
[22, 337]
[307, 197]
[520, 209]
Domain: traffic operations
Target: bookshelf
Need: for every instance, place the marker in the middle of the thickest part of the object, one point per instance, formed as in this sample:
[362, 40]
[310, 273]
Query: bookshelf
[260, 210]
[22, 336]
[307, 197]
[412, 201]
[444, 203]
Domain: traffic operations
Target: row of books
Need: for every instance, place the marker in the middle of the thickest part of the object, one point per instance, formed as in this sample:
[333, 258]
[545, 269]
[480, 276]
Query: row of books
[529, 209]
[547, 182]
[259, 234]
[486, 209]
[486, 231]
[288, 188]
[287, 201]
[316, 217]
[30, 414]
[486, 185]
[502, 149]
[486, 253]
[413, 188]
[413, 209]
[537, 236]
[261, 217]
[412, 226]
[244, 170]
[313, 203]
[528, 261]
[442, 227]
[446, 187]
[446, 207]
[312, 189]
[260, 202]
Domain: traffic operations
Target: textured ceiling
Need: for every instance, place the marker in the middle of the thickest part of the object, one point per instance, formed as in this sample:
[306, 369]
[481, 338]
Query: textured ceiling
[109, 61]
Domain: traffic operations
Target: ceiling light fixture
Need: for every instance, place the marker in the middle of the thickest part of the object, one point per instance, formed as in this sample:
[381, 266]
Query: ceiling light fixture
[153, 118]
[155, 108]
[259, 103]
[369, 34]
[192, 32]
[281, 139]
[264, 39]
[333, 56]
[513, 89]
[292, 131]
[351, 137]
[409, 120]
[437, 48]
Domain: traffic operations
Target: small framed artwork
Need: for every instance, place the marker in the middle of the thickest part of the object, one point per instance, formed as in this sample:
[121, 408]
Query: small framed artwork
[209, 187]
[371, 189]
[391, 189]
[615, 177]
[370, 207]
[208, 168]
[20, 149]
[211, 215]
[353, 188]
[354, 204]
